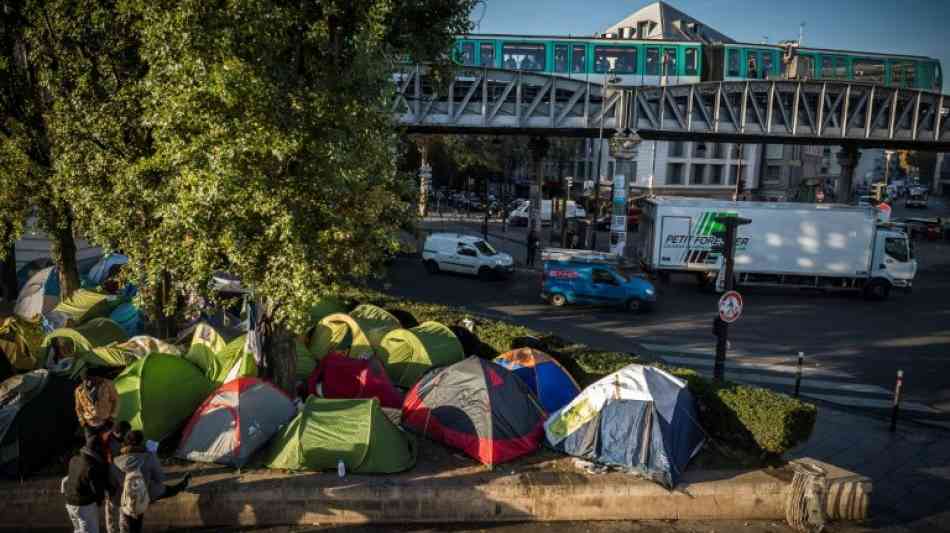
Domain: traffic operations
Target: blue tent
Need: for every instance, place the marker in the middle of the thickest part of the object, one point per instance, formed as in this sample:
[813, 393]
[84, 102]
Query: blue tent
[100, 271]
[549, 381]
[638, 418]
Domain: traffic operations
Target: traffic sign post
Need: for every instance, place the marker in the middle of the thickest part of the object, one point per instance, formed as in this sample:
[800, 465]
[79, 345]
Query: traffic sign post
[731, 300]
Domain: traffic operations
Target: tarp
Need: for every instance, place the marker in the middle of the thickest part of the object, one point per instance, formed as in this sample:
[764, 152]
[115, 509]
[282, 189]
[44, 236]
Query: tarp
[221, 361]
[37, 421]
[235, 421]
[354, 431]
[551, 383]
[639, 418]
[339, 376]
[478, 407]
[159, 392]
[39, 295]
[407, 354]
[20, 342]
[358, 334]
[100, 271]
[85, 305]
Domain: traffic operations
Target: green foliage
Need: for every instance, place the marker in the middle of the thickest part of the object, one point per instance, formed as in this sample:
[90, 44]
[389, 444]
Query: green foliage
[750, 421]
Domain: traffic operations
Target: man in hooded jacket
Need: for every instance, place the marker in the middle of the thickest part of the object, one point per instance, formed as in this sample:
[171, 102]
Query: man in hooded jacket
[135, 456]
[85, 488]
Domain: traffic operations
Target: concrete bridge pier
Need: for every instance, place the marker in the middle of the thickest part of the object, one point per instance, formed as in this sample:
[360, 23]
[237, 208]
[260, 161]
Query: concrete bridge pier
[848, 159]
[539, 148]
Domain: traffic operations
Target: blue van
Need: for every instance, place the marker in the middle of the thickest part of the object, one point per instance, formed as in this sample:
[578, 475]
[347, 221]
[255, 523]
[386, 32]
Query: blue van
[593, 280]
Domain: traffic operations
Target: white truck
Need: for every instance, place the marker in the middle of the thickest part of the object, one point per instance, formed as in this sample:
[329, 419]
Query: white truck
[820, 246]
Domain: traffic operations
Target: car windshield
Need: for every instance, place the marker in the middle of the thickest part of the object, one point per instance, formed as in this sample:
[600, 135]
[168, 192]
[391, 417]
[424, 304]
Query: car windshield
[484, 248]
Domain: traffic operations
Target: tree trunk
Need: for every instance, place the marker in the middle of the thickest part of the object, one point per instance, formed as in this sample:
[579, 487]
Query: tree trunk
[281, 358]
[64, 257]
[10, 289]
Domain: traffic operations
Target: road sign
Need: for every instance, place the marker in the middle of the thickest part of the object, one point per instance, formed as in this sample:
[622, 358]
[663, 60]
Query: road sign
[730, 307]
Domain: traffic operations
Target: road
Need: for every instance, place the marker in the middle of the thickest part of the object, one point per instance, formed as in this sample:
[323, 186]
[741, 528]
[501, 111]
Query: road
[853, 348]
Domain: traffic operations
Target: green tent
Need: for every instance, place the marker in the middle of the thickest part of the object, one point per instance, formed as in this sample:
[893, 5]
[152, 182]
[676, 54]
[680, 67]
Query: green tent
[85, 305]
[221, 361]
[159, 392]
[82, 340]
[20, 343]
[408, 353]
[354, 431]
[358, 333]
[305, 343]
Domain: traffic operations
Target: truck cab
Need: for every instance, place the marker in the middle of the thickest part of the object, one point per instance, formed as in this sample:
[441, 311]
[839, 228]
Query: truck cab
[584, 277]
[893, 264]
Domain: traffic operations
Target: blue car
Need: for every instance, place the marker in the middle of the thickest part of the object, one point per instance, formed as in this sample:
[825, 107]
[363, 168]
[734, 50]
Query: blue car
[577, 282]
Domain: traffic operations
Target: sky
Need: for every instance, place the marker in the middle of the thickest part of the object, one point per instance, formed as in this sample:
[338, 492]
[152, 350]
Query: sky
[916, 27]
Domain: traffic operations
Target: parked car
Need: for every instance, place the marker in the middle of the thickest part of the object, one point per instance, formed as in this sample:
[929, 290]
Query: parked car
[585, 277]
[465, 254]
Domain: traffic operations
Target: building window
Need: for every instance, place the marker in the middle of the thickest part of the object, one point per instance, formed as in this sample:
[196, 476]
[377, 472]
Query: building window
[701, 150]
[467, 54]
[871, 70]
[715, 174]
[643, 29]
[487, 51]
[716, 150]
[653, 61]
[733, 172]
[732, 60]
[580, 59]
[618, 59]
[676, 149]
[690, 57]
[773, 173]
[523, 56]
[560, 58]
[697, 175]
[774, 151]
[674, 173]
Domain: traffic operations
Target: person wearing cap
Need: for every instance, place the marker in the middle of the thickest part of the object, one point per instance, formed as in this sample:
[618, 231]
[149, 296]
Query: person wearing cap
[85, 488]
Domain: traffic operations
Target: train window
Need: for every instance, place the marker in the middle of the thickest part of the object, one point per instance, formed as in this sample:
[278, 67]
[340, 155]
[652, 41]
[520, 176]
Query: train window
[827, 67]
[754, 67]
[841, 68]
[467, 54]
[653, 61]
[614, 58]
[523, 56]
[767, 60]
[732, 60]
[579, 61]
[669, 62]
[871, 70]
[560, 58]
[904, 73]
[689, 55]
[487, 51]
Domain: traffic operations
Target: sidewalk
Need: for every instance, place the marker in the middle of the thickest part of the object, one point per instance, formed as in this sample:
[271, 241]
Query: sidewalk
[909, 469]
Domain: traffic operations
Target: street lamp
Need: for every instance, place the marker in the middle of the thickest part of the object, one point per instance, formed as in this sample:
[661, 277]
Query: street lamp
[592, 228]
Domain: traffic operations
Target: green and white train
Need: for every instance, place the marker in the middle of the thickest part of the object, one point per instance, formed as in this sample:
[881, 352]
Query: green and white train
[655, 62]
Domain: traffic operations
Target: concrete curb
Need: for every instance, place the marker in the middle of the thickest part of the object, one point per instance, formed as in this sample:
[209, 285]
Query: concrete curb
[267, 498]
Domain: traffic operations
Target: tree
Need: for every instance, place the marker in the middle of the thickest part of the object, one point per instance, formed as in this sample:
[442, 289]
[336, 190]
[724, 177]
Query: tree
[271, 134]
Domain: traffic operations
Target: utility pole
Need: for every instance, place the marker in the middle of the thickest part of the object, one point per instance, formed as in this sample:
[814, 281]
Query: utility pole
[727, 248]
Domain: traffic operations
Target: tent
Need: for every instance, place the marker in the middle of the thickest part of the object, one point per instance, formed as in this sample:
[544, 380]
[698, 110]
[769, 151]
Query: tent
[355, 431]
[479, 407]
[408, 353]
[339, 376]
[39, 295]
[142, 345]
[20, 342]
[29, 269]
[159, 392]
[551, 383]
[640, 418]
[84, 337]
[220, 359]
[37, 421]
[235, 421]
[358, 333]
[306, 361]
[129, 318]
[100, 271]
[85, 305]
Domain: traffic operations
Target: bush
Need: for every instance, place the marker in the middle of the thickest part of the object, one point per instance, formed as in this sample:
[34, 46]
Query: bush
[745, 419]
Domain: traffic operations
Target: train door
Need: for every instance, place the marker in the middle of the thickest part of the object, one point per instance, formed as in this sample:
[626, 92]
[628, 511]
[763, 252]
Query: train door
[561, 59]
[487, 55]
[670, 66]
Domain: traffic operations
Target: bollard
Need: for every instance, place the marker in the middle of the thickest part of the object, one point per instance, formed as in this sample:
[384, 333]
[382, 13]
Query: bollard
[897, 399]
[798, 373]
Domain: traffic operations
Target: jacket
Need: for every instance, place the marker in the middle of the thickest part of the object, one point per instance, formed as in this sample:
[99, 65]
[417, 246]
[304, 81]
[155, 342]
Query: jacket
[147, 463]
[94, 407]
[88, 479]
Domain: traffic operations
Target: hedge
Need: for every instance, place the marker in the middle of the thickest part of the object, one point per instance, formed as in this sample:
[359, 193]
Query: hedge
[740, 418]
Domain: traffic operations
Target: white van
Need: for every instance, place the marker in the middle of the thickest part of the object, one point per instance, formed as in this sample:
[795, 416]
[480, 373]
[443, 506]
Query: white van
[466, 254]
[573, 211]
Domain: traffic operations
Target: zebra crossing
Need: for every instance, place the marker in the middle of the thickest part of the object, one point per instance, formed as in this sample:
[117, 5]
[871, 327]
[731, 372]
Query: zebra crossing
[817, 383]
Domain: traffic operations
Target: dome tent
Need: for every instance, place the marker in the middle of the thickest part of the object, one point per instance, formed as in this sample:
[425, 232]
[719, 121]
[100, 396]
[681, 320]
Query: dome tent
[303, 344]
[85, 305]
[551, 383]
[39, 295]
[221, 360]
[159, 392]
[339, 376]
[101, 270]
[92, 343]
[479, 407]
[407, 354]
[639, 417]
[354, 431]
[239, 418]
[358, 333]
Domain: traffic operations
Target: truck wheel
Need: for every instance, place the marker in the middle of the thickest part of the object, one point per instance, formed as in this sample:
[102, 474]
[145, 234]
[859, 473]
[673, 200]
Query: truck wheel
[558, 300]
[634, 305]
[877, 289]
[432, 267]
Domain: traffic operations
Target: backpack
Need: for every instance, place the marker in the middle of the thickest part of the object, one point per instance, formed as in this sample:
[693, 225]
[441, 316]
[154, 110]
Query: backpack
[135, 498]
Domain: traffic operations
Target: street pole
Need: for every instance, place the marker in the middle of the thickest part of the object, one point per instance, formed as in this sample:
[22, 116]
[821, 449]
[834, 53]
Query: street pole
[592, 227]
[728, 251]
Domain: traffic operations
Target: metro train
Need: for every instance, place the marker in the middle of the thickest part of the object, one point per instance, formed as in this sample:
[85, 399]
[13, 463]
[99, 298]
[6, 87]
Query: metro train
[660, 62]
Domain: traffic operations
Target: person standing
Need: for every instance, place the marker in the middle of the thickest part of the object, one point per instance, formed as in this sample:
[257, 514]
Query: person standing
[532, 247]
[97, 403]
[137, 479]
[112, 442]
[85, 488]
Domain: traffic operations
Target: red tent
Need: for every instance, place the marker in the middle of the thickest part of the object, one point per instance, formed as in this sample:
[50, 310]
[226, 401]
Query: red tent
[339, 376]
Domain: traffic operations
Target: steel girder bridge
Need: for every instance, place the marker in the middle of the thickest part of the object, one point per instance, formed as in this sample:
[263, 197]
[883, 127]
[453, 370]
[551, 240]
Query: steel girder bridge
[490, 101]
